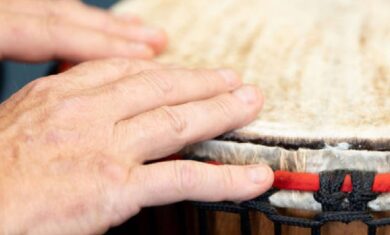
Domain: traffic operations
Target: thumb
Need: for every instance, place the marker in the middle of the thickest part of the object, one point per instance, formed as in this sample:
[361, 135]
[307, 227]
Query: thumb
[172, 181]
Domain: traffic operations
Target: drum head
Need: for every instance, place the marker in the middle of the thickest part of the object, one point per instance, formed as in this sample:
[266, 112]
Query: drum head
[323, 66]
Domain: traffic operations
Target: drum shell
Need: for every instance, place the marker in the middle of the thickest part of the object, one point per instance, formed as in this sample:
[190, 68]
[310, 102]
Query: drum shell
[183, 219]
[226, 223]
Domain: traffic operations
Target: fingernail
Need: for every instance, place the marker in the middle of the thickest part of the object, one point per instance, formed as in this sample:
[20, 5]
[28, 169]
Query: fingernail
[258, 174]
[247, 94]
[230, 77]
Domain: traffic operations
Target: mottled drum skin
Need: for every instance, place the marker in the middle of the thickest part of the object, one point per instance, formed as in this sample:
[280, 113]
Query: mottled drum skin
[324, 67]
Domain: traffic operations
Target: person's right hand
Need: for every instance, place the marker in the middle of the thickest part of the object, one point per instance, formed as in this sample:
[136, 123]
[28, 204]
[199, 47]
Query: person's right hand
[73, 145]
[39, 30]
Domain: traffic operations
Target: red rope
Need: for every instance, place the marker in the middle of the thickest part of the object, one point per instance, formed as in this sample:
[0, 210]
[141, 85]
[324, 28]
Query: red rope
[311, 182]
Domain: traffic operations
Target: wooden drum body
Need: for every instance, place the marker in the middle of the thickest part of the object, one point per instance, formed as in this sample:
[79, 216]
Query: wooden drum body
[324, 68]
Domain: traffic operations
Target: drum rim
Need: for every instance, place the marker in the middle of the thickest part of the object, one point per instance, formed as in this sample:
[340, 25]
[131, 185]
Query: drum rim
[294, 143]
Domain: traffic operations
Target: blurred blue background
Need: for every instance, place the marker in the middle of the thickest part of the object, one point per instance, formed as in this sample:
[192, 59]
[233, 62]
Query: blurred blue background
[16, 75]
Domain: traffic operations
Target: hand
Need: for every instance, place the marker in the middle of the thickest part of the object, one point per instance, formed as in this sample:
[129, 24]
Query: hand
[73, 145]
[37, 30]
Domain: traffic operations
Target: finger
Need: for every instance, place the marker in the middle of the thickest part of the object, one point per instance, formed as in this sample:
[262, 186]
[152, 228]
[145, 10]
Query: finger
[171, 128]
[173, 181]
[131, 19]
[105, 21]
[65, 8]
[151, 89]
[97, 73]
[80, 14]
[54, 38]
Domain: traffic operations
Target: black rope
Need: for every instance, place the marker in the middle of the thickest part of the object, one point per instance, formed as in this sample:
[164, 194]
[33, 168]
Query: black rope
[372, 230]
[203, 228]
[361, 190]
[245, 223]
[329, 194]
[336, 205]
[277, 228]
[316, 230]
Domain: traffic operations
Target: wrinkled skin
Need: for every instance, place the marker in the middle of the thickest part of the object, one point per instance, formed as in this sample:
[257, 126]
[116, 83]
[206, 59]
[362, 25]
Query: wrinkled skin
[74, 145]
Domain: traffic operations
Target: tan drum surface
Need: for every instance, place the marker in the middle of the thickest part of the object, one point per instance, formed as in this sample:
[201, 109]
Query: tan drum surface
[324, 66]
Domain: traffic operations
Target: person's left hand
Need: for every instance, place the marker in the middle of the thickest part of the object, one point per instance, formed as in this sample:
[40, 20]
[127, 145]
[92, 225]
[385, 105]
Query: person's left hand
[38, 30]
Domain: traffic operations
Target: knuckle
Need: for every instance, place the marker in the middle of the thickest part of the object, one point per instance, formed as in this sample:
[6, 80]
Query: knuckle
[45, 87]
[40, 84]
[51, 23]
[224, 106]
[118, 66]
[228, 178]
[187, 176]
[115, 173]
[155, 80]
[109, 176]
[116, 88]
[208, 79]
[174, 119]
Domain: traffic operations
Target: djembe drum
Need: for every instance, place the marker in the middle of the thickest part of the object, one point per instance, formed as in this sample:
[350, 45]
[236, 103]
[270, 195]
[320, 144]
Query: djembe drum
[324, 67]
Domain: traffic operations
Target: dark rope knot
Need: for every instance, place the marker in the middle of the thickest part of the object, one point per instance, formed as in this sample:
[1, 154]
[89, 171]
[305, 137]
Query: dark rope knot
[333, 199]
[330, 195]
[362, 190]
